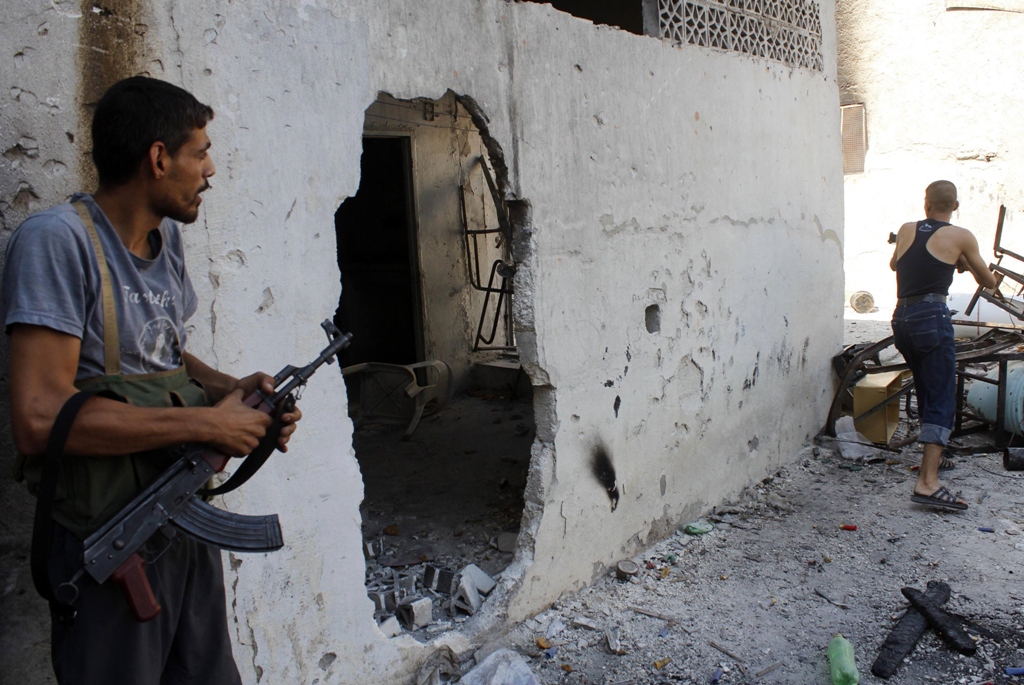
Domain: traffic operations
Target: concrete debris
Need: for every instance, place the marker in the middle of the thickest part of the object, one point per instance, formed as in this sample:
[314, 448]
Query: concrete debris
[584, 622]
[554, 628]
[390, 627]
[416, 613]
[467, 598]
[483, 582]
[507, 542]
[612, 640]
[440, 579]
[381, 599]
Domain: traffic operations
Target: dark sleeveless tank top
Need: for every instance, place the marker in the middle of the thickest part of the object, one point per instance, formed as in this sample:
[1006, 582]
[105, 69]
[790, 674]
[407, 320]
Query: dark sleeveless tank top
[918, 272]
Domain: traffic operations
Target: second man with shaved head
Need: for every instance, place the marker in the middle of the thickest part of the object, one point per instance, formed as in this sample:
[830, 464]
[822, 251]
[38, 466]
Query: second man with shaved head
[927, 252]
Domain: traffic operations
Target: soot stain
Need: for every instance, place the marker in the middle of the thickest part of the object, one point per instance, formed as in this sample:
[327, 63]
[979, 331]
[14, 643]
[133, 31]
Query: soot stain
[604, 471]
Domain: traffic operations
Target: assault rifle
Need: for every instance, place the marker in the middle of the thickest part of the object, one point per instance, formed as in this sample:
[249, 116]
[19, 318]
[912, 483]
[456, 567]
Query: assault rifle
[173, 502]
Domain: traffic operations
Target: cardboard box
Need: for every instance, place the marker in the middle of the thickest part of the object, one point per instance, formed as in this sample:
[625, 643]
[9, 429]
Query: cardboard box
[867, 393]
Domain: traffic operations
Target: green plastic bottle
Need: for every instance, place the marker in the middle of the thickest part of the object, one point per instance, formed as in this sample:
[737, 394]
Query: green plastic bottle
[841, 662]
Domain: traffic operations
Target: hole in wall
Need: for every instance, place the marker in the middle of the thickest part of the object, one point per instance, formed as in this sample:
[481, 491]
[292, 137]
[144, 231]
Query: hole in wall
[442, 408]
[652, 319]
[627, 15]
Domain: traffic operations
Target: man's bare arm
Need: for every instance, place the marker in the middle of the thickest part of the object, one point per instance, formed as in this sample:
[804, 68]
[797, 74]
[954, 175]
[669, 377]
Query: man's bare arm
[972, 256]
[43, 367]
[216, 383]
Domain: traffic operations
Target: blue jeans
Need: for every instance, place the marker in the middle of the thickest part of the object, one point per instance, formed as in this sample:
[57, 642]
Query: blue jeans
[924, 336]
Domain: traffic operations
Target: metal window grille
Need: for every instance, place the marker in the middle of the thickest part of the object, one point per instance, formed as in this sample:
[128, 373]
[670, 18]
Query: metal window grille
[788, 31]
[855, 138]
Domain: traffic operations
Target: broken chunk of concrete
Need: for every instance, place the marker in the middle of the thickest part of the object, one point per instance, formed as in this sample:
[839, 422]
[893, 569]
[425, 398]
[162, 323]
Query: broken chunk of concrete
[390, 627]
[483, 582]
[612, 637]
[416, 613]
[503, 667]
[467, 597]
[405, 586]
[584, 622]
[507, 542]
[439, 579]
[381, 599]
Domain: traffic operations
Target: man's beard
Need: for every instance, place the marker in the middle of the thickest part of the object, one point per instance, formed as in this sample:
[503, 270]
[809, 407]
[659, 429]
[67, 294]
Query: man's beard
[180, 212]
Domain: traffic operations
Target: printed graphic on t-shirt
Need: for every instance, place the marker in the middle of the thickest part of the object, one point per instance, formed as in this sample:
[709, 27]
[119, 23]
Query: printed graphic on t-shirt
[159, 348]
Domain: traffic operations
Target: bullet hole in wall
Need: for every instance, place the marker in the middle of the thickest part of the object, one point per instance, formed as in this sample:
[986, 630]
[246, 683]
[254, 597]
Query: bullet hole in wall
[652, 319]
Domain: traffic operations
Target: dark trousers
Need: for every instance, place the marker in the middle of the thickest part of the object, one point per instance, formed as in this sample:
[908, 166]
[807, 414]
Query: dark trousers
[924, 336]
[187, 642]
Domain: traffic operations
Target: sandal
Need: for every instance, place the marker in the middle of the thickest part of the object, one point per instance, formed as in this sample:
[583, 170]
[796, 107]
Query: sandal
[946, 464]
[940, 498]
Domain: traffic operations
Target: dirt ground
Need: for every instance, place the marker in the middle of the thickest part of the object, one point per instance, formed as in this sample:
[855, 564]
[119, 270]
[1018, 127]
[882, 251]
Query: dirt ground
[777, 577]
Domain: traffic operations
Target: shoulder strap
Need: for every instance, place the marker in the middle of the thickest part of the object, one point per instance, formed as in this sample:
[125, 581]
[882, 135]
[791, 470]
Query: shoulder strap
[257, 457]
[111, 341]
[42, 531]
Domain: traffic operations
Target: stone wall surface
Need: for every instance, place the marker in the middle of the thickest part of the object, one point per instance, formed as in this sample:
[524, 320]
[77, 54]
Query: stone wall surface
[942, 96]
[638, 174]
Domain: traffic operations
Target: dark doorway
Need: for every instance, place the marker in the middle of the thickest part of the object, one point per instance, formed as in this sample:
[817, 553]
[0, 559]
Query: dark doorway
[380, 300]
[627, 15]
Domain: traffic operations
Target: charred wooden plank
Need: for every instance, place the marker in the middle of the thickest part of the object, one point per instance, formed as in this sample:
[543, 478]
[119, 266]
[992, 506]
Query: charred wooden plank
[904, 636]
[947, 627]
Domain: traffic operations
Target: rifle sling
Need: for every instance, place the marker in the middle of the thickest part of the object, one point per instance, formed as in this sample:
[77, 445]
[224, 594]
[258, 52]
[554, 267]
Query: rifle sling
[42, 530]
[252, 463]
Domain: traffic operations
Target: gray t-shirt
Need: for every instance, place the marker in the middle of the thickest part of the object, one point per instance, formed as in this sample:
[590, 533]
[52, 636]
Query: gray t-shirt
[52, 279]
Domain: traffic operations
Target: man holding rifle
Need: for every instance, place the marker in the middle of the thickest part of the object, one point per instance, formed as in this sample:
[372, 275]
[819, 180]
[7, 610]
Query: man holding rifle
[95, 297]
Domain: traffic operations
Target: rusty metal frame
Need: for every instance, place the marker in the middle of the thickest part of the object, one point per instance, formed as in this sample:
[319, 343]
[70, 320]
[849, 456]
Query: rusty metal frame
[989, 347]
[500, 268]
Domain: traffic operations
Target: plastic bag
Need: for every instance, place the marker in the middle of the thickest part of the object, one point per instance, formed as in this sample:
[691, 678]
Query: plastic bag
[853, 445]
[503, 667]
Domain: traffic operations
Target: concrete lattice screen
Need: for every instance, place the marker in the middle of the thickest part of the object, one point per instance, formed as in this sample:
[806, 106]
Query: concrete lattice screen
[788, 31]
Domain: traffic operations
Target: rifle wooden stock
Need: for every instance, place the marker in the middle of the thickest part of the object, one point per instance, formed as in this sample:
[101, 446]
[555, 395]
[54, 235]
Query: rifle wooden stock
[131, 577]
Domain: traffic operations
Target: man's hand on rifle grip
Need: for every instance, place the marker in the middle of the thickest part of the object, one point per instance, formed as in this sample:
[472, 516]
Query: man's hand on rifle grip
[265, 384]
[238, 428]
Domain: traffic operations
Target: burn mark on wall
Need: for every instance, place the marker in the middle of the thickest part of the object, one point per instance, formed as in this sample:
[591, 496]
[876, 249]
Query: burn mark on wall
[604, 471]
[750, 382]
[111, 36]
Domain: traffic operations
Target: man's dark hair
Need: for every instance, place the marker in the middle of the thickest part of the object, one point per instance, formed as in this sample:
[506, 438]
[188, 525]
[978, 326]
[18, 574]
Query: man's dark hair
[133, 114]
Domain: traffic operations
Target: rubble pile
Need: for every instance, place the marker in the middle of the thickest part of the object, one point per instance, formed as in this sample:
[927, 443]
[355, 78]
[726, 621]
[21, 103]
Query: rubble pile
[415, 593]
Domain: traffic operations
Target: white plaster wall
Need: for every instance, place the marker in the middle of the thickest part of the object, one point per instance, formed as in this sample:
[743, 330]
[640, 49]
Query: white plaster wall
[707, 183]
[943, 98]
[38, 166]
[710, 190]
